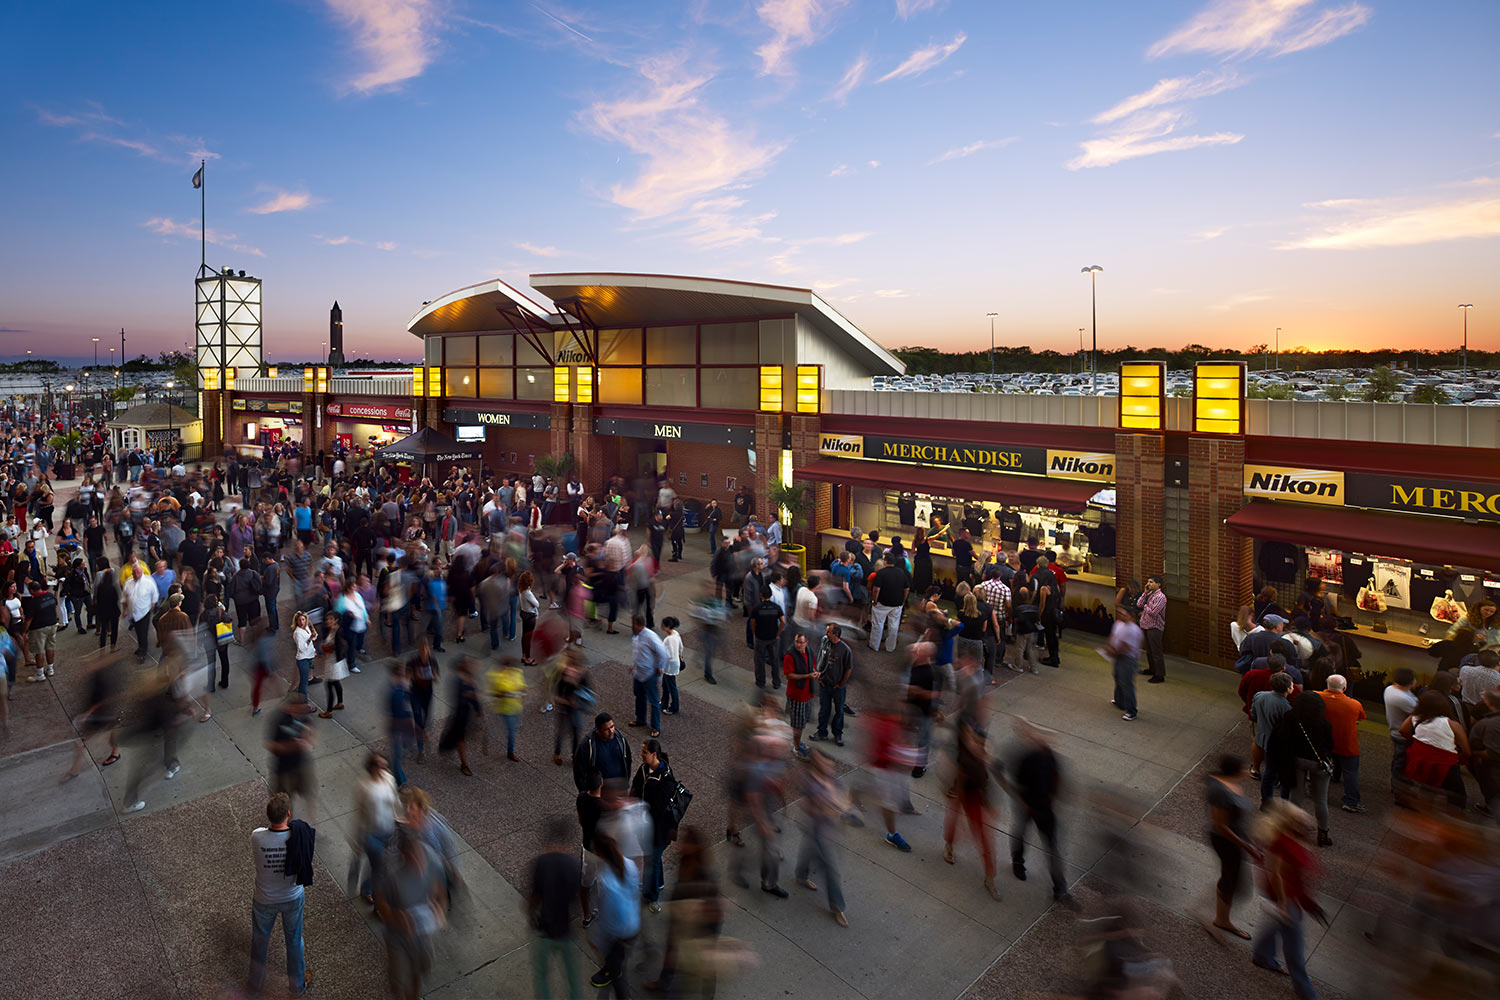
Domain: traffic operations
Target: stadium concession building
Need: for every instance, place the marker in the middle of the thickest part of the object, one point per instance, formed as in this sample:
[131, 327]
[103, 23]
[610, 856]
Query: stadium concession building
[714, 384]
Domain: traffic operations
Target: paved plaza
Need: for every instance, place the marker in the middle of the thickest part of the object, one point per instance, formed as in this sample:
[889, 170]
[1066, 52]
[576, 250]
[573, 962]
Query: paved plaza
[156, 904]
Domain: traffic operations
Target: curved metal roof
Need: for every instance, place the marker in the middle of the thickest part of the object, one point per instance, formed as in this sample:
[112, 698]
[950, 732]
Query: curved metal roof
[619, 299]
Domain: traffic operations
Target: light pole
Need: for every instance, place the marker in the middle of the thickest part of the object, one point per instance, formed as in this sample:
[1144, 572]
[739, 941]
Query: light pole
[171, 436]
[96, 351]
[1278, 348]
[1080, 352]
[1093, 272]
[992, 347]
[1466, 306]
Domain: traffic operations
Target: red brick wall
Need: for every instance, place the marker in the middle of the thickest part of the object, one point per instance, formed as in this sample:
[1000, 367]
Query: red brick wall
[718, 462]
[1219, 561]
[499, 442]
[1139, 485]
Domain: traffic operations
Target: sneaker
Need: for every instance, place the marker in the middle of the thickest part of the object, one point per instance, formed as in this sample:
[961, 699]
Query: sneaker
[135, 808]
[817, 737]
[777, 890]
[849, 710]
[547, 708]
[654, 907]
[588, 920]
[355, 670]
[1129, 716]
[39, 676]
[1157, 680]
[601, 979]
[1353, 809]
[710, 680]
[838, 741]
[172, 771]
[50, 671]
[898, 842]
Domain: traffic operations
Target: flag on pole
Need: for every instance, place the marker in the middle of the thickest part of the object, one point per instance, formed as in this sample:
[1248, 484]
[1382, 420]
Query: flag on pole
[198, 178]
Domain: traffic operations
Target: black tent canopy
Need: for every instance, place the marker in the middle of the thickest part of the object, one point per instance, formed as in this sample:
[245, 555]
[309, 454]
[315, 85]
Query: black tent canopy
[428, 446]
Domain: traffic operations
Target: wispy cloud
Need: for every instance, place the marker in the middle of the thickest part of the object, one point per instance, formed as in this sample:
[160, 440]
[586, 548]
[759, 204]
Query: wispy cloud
[93, 124]
[925, 59]
[1239, 300]
[171, 227]
[336, 241]
[906, 9]
[1172, 91]
[853, 77]
[10, 329]
[1204, 235]
[689, 150]
[1237, 29]
[829, 284]
[842, 170]
[1364, 223]
[892, 293]
[284, 201]
[536, 251]
[394, 36]
[794, 24]
[386, 244]
[959, 152]
[135, 145]
[1145, 134]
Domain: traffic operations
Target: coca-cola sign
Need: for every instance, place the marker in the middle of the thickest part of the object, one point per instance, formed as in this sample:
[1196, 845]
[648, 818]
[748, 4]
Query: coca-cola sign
[369, 411]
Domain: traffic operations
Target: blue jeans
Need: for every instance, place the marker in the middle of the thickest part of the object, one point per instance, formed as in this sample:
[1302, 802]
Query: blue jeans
[272, 620]
[670, 701]
[646, 693]
[397, 617]
[656, 876]
[1290, 932]
[510, 617]
[304, 671]
[372, 849]
[494, 630]
[512, 727]
[435, 627]
[400, 742]
[1350, 768]
[262, 922]
[817, 847]
[831, 710]
[1125, 671]
[709, 635]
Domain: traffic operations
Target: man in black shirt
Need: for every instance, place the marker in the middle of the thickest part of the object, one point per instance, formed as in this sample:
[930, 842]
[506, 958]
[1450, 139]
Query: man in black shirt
[744, 506]
[767, 621]
[892, 585]
[1049, 600]
[1035, 779]
[555, 884]
[921, 696]
[963, 556]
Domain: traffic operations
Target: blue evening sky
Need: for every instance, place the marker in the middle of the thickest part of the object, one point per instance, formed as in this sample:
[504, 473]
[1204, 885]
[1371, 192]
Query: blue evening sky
[1331, 167]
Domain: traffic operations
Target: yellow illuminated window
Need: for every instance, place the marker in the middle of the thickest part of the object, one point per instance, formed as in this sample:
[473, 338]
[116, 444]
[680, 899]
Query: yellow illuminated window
[229, 377]
[809, 383]
[560, 384]
[1141, 387]
[211, 379]
[418, 381]
[1219, 398]
[273, 371]
[434, 382]
[585, 384]
[309, 379]
[770, 388]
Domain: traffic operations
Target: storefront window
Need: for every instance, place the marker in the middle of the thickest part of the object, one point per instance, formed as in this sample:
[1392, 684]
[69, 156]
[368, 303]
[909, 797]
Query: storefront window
[458, 351]
[671, 345]
[731, 344]
[730, 388]
[620, 385]
[497, 349]
[461, 382]
[433, 347]
[534, 383]
[619, 347]
[495, 383]
[526, 354]
[671, 387]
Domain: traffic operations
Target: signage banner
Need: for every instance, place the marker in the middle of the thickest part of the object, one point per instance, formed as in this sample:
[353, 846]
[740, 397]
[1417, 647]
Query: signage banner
[665, 430]
[1408, 494]
[369, 411]
[1305, 485]
[1027, 459]
[497, 418]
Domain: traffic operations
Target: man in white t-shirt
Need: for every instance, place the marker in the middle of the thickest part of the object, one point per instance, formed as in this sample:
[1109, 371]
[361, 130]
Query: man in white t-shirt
[276, 893]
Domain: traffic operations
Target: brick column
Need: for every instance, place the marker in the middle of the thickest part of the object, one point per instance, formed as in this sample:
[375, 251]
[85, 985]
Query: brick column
[1139, 482]
[315, 430]
[430, 413]
[560, 437]
[805, 430]
[767, 459]
[1219, 560]
[214, 405]
[588, 449]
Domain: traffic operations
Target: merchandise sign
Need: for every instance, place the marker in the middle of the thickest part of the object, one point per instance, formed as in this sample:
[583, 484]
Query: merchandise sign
[1305, 485]
[369, 411]
[666, 430]
[1408, 494]
[1028, 459]
[497, 418]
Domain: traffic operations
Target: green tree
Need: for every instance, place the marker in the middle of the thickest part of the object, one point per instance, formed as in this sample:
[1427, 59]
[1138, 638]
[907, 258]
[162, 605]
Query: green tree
[556, 467]
[798, 502]
[1337, 390]
[1269, 392]
[124, 394]
[1381, 385]
[1429, 394]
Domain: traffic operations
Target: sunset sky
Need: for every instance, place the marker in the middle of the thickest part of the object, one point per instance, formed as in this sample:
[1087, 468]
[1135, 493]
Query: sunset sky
[1331, 167]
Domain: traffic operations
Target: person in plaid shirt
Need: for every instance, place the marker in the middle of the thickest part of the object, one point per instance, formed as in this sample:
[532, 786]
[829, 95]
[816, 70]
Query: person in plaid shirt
[996, 594]
[1153, 605]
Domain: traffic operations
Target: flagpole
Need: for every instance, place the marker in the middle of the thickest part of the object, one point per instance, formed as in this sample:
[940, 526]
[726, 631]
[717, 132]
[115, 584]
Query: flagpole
[202, 216]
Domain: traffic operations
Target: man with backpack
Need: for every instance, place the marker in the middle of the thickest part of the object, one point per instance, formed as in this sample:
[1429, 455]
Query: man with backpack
[41, 626]
[604, 752]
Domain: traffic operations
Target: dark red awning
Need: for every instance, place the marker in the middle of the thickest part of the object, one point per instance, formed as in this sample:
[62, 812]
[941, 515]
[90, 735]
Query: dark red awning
[959, 484]
[1420, 538]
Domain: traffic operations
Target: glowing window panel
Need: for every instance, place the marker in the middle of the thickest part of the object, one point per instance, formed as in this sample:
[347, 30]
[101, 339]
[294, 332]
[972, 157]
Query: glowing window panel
[1219, 398]
[585, 384]
[809, 388]
[770, 388]
[1142, 387]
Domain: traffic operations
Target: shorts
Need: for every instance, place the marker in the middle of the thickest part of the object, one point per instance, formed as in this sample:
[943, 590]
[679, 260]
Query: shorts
[297, 781]
[890, 788]
[797, 713]
[43, 637]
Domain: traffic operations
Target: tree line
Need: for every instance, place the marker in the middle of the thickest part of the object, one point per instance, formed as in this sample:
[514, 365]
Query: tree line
[931, 361]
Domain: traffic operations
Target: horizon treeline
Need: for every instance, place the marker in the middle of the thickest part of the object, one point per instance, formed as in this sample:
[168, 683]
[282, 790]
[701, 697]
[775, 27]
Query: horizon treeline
[931, 361]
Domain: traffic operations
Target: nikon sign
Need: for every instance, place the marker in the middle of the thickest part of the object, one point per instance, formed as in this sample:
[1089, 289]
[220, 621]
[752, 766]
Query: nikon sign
[1305, 485]
[1452, 498]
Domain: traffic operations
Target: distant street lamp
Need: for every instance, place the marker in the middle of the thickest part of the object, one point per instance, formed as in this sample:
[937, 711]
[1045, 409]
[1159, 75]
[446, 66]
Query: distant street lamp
[992, 347]
[96, 351]
[1093, 272]
[171, 448]
[1278, 348]
[1466, 306]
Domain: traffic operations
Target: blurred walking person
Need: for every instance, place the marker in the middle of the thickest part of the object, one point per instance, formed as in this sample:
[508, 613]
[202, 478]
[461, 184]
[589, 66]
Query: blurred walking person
[102, 714]
[823, 803]
[1288, 870]
[411, 897]
[466, 718]
[423, 672]
[1229, 813]
[1035, 780]
[970, 795]
[618, 920]
[555, 883]
[375, 804]
[157, 710]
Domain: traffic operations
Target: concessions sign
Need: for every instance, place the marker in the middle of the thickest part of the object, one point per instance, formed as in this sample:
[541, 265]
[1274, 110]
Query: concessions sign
[1027, 459]
[497, 418]
[668, 430]
[1450, 497]
[373, 412]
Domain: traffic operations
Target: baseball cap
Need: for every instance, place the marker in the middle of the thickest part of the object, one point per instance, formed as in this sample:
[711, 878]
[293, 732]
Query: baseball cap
[1273, 620]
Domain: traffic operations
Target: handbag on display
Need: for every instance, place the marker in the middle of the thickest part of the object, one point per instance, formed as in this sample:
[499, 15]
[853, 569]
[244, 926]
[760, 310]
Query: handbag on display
[1446, 609]
[1369, 598]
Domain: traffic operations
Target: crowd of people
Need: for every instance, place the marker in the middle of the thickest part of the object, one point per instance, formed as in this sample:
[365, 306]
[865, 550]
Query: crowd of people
[522, 574]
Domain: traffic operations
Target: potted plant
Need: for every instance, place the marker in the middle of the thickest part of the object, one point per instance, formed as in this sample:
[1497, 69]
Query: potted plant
[797, 503]
[558, 468]
[67, 446]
